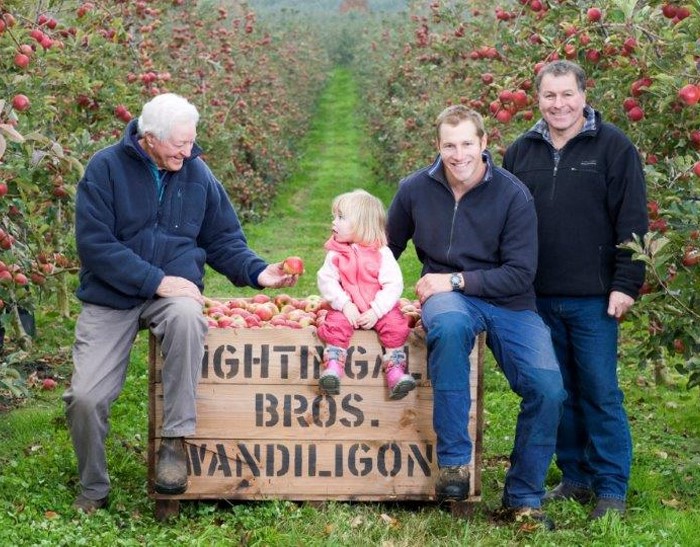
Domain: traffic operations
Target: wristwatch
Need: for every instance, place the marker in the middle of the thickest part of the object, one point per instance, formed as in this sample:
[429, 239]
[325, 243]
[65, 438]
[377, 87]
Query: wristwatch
[456, 281]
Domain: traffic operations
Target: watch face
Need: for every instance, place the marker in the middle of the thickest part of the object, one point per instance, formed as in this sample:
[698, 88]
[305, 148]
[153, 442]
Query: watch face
[454, 280]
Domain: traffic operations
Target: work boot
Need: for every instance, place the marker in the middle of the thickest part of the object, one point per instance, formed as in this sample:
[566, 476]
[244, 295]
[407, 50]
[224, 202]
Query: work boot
[608, 505]
[171, 466]
[566, 491]
[334, 368]
[398, 382]
[452, 483]
[88, 506]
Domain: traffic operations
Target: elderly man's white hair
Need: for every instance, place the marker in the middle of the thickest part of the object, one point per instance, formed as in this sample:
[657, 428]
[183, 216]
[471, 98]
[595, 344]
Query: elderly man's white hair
[165, 111]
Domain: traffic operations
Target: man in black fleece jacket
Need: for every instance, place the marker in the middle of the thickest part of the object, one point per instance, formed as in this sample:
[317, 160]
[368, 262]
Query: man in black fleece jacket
[474, 228]
[587, 180]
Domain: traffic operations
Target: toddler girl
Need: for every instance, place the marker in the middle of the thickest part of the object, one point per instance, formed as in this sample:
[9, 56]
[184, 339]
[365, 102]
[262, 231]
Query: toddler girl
[362, 281]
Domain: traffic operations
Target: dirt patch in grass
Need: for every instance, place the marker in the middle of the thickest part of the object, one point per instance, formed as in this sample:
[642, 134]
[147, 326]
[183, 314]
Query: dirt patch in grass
[32, 373]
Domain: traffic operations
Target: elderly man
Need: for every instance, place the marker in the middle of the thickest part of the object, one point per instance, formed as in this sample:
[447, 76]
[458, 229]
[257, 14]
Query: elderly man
[149, 216]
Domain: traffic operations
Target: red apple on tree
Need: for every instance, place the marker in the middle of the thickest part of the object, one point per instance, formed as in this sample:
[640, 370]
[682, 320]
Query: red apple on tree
[669, 11]
[689, 94]
[20, 279]
[635, 114]
[21, 60]
[594, 14]
[504, 116]
[20, 102]
[696, 168]
[293, 265]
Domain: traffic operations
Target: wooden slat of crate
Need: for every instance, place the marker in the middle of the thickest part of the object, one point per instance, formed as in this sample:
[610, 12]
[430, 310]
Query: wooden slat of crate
[301, 470]
[299, 411]
[283, 355]
[246, 367]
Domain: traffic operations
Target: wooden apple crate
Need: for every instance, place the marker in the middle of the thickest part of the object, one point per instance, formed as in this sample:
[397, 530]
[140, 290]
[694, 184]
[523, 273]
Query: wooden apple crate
[264, 431]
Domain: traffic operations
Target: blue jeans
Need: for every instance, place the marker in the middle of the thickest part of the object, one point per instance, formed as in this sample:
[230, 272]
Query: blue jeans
[594, 446]
[522, 346]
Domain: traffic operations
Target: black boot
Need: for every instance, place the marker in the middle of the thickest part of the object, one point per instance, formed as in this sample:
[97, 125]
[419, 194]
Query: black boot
[171, 466]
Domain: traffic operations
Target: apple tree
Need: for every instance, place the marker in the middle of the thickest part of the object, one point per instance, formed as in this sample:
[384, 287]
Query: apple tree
[642, 62]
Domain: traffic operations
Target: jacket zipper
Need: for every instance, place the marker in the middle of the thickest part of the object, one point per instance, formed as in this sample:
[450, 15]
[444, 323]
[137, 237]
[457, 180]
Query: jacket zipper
[556, 156]
[179, 205]
[452, 227]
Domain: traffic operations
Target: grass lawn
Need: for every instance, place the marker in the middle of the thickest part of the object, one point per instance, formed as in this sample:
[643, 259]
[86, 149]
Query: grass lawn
[38, 479]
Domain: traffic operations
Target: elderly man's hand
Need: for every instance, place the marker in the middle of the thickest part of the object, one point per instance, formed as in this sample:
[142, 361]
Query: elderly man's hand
[274, 277]
[172, 286]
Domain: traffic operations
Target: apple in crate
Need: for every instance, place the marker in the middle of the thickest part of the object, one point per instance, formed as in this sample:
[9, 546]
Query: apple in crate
[293, 265]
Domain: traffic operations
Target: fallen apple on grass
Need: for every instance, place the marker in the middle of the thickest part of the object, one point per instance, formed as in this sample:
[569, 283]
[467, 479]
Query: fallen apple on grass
[48, 384]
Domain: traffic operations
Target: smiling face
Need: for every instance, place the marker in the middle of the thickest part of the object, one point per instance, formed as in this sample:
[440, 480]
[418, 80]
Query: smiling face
[171, 152]
[460, 148]
[561, 104]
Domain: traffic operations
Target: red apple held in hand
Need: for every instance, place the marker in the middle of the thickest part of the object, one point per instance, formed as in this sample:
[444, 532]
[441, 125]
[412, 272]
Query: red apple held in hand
[293, 265]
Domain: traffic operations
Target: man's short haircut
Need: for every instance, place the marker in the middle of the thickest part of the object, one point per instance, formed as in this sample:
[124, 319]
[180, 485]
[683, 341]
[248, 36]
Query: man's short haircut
[164, 112]
[562, 68]
[456, 114]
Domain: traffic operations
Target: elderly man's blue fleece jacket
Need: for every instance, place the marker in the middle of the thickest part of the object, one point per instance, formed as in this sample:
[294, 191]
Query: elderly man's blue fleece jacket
[129, 238]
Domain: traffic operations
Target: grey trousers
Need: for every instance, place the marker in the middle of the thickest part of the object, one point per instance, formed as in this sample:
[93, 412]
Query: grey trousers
[101, 352]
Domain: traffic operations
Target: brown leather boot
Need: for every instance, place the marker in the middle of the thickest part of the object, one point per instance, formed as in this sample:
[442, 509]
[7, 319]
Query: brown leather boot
[171, 466]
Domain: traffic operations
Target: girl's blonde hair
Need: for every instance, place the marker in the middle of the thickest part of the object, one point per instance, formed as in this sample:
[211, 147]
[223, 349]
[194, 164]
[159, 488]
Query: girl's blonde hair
[366, 214]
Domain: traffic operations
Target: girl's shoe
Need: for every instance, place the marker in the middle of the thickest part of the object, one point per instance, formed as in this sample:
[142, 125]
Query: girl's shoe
[334, 365]
[397, 380]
